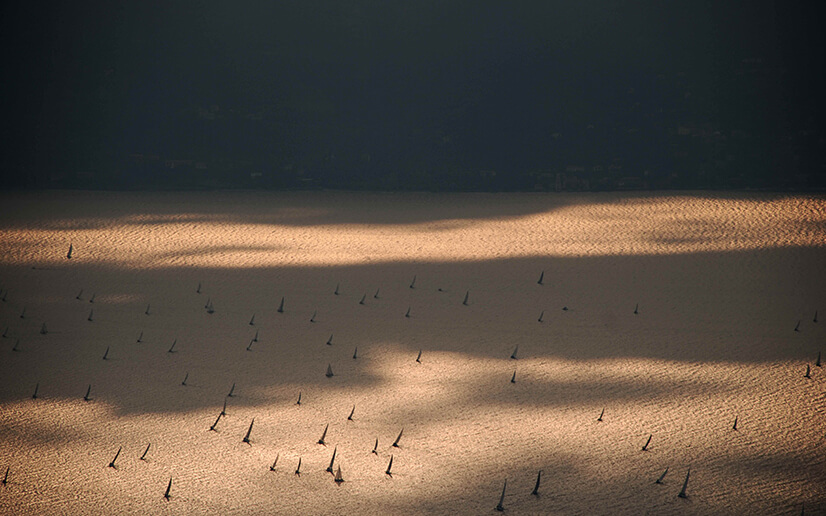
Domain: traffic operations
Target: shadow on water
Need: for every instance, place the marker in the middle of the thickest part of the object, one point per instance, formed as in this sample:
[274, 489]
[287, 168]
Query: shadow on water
[731, 307]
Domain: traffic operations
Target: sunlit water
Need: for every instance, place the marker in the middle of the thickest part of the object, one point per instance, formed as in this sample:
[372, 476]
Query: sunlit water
[718, 281]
